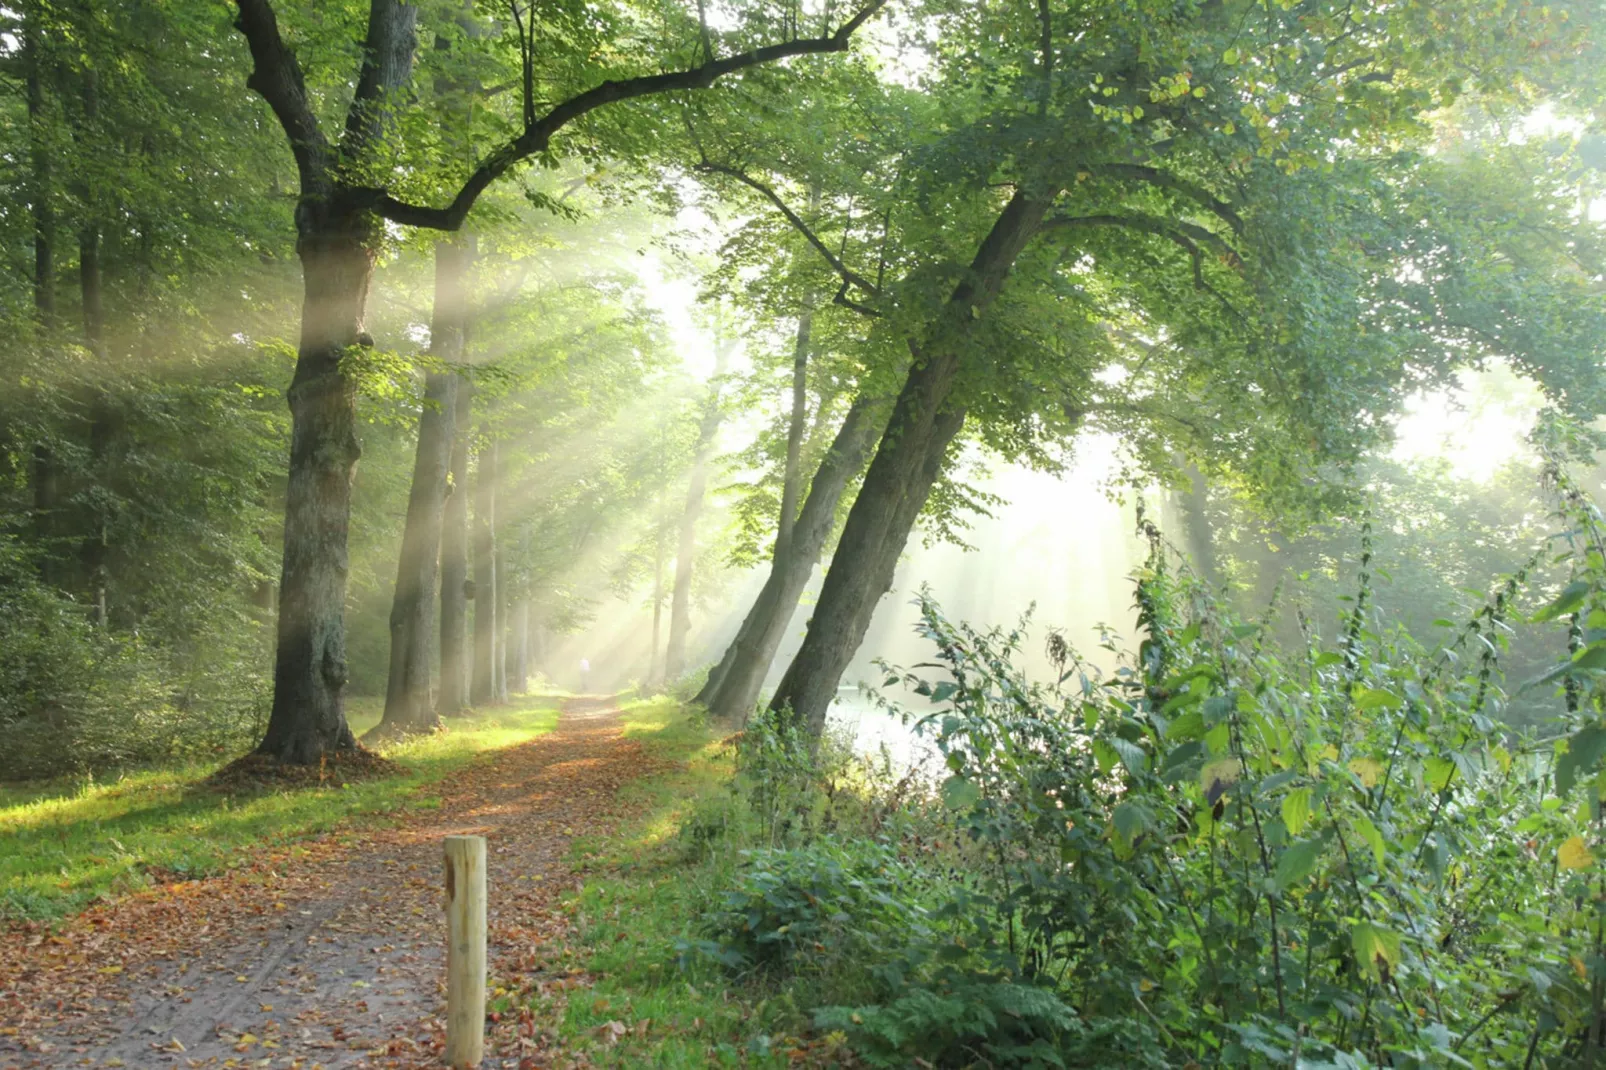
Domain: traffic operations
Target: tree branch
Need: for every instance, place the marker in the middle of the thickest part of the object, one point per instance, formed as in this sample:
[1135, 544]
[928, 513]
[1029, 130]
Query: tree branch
[276, 77]
[538, 135]
[1156, 177]
[847, 274]
[387, 63]
[1186, 235]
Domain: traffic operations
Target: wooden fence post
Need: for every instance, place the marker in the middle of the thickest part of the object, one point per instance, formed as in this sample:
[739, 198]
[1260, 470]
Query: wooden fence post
[465, 951]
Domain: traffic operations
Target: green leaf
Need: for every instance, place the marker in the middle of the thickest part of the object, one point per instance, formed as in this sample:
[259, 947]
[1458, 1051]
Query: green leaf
[1297, 862]
[1296, 810]
[1190, 725]
[1584, 750]
[959, 793]
[1374, 839]
[1371, 698]
[1572, 596]
[1130, 819]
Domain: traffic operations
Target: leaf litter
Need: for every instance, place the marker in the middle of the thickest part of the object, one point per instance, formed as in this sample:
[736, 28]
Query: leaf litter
[329, 953]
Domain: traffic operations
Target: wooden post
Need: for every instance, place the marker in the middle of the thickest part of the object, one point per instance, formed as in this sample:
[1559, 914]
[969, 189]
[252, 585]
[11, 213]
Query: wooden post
[465, 951]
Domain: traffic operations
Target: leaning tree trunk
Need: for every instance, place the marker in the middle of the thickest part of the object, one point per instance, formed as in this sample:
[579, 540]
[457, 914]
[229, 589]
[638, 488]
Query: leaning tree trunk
[482, 691]
[791, 489]
[906, 465]
[407, 695]
[740, 674]
[454, 689]
[309, 674]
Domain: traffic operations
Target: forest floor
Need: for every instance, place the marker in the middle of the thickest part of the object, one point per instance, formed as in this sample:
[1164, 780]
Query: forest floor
[330, 953]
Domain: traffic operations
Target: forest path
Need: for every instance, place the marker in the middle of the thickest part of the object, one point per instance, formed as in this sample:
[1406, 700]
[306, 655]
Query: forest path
[330, 954]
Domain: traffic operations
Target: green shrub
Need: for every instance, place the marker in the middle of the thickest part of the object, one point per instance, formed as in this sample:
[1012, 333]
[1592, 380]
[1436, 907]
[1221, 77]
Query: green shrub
[971, 1022]
[829, 902]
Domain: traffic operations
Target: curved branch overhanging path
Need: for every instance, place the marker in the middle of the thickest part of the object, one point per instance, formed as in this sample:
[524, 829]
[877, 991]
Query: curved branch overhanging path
[332, 957]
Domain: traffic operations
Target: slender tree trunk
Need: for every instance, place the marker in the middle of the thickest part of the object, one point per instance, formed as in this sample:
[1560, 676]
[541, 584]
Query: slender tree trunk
[740, 674]
[454, 689]
[308, 716]
[791, 484]
[790, 491]
[686, 555]
[43, 207]
[1195, 504]
[519, 648]
[906, 464]
[654, 671]
[89, 274]
[482, 691]
[503, 626]
[408, 706]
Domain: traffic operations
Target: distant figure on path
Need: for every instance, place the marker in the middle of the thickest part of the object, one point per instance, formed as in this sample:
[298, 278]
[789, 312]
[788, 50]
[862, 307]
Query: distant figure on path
[585, 675]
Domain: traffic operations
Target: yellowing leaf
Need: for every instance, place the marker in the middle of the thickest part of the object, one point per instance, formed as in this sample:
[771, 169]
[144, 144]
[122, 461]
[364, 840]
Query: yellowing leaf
[1296, 810]
[1217, 776]
[1579, 968]
[1574, 854]
[1368, 770]
[111, 969]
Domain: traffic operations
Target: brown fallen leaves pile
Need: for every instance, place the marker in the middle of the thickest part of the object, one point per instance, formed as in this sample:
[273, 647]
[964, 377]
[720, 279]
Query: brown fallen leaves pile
[329, 954]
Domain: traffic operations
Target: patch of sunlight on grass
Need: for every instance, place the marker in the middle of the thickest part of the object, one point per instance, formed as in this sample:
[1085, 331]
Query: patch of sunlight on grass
[67, 843]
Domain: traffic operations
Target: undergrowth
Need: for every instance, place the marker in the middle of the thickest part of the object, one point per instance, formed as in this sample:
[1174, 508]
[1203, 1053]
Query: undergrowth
[1233, 850]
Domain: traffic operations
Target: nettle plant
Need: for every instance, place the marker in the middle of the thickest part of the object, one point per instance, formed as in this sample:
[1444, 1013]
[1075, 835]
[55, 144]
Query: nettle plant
[1335, 854]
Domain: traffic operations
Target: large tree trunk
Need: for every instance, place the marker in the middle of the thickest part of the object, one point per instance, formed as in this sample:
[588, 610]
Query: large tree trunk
[309, 674]
[740, 674]
[906, 465]
[454, 689]
[407, 695]
[482, 692]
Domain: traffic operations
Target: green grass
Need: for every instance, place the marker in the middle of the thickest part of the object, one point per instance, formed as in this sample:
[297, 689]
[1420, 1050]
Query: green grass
[64, 844]
[643, 896]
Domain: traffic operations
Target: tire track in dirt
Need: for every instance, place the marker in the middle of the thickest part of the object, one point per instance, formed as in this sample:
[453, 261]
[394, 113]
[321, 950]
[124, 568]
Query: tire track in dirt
[330, 955]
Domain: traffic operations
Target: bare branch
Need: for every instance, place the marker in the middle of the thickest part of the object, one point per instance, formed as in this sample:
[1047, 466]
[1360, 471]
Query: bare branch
[538, 135]
[276, 77]
[847, 274]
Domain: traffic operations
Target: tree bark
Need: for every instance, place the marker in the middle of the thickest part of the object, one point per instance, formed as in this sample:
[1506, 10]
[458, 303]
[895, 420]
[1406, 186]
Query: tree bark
[309, 675]
[408, 707]
[337, 234]
[739, 677]
[906, 464]
[454, 688]
[482, 691]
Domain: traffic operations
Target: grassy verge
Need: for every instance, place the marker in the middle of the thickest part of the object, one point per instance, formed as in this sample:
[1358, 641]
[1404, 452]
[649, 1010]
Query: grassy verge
[646, 887]
[64, 844]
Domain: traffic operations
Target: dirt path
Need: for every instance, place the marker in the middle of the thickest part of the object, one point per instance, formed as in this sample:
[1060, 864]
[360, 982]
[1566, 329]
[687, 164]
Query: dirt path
[331, 955]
